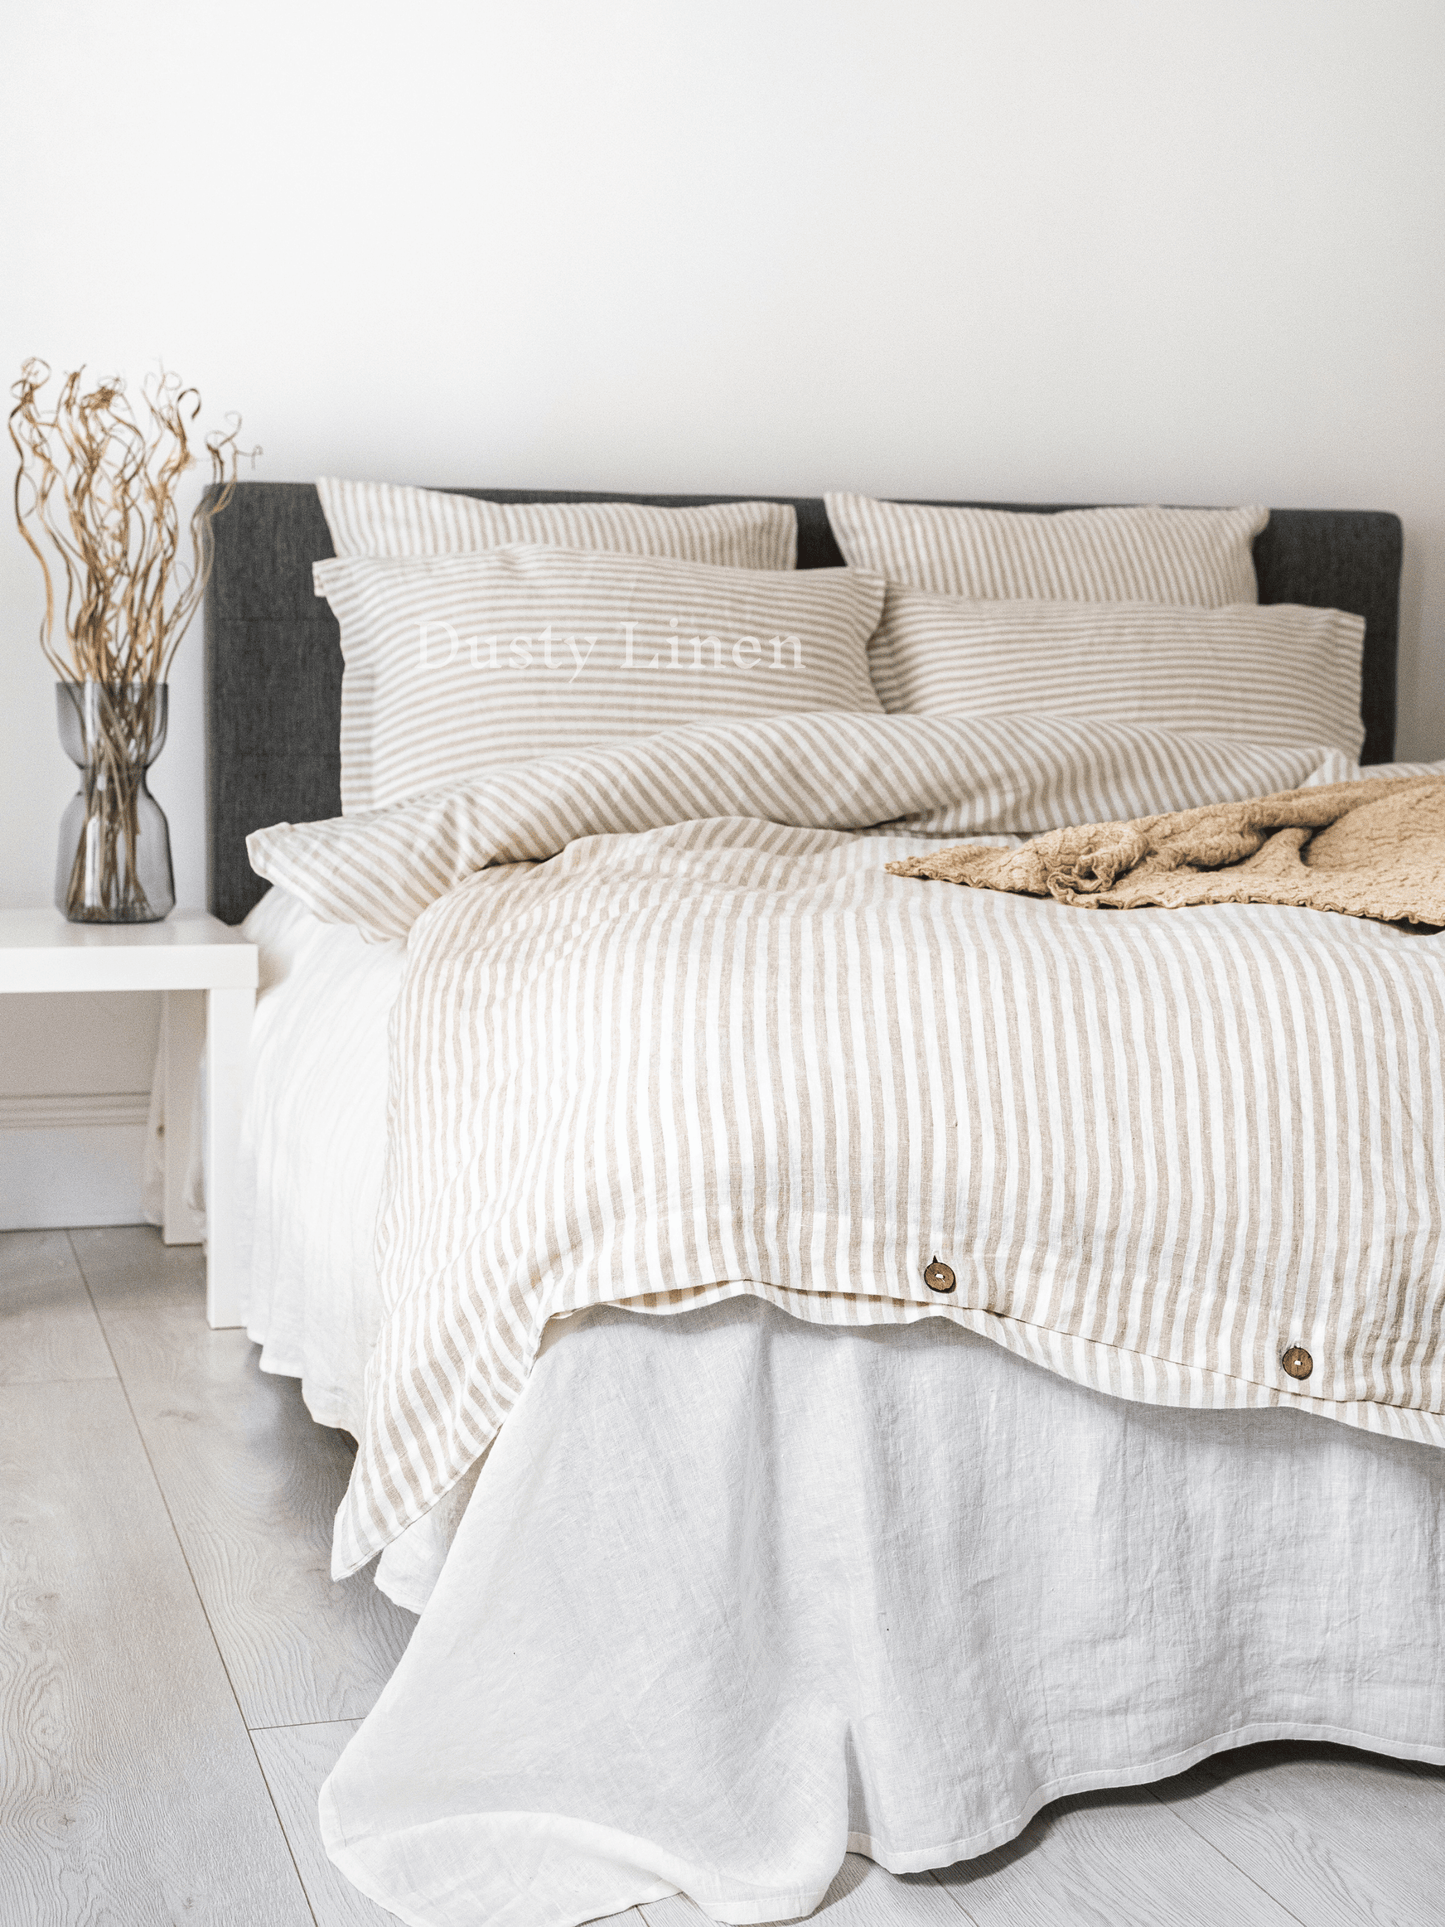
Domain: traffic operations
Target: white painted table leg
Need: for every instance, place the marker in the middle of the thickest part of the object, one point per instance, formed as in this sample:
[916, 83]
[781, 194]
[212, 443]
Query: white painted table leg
[228, 1033]
[183, 1033]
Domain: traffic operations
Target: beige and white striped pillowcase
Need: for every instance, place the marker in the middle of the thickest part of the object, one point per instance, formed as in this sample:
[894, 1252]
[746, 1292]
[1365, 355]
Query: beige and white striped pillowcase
[532, 649]
[382, 518]
[1265, 673]
[1200, 557]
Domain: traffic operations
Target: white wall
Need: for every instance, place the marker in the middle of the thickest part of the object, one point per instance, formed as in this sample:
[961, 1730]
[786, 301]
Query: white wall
[1058, 249]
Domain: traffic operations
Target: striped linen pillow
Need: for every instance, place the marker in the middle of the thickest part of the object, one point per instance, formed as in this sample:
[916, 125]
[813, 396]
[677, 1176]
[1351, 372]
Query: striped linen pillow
[1202, 557]
[379, 518]
[1261, 673]
[455, 664]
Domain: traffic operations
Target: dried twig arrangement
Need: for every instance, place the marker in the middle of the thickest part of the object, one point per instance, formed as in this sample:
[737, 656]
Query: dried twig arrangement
[97, 480]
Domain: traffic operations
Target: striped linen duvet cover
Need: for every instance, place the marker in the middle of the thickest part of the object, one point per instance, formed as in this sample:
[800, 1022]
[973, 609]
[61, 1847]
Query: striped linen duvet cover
[669, 1032]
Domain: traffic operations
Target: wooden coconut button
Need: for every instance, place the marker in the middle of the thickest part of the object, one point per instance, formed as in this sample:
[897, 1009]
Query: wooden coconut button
[938, 1277]
[1297, 1362]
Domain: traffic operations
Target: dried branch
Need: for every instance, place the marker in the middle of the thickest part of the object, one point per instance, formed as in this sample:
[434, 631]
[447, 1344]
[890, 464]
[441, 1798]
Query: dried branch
[97, 481]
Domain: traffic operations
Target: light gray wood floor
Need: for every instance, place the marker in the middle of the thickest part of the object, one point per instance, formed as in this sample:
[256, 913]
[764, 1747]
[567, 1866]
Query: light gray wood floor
[178, 1672]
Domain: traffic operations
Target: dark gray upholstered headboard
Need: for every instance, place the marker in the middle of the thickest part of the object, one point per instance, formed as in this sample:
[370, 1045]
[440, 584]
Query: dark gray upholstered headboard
[273, 655]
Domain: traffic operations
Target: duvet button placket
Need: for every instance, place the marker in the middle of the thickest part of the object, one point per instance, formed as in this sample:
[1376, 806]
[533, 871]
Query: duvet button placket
[1297, 1362]
[938, 1277]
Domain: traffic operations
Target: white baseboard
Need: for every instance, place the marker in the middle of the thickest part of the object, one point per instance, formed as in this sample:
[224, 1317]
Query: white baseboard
[71, 1160]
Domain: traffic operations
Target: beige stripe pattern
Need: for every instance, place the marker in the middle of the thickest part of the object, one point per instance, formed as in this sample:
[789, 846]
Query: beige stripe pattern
[380, 518]
[727, 1054]
[936, 777]
[455, 664]
[1274, 673]
[1202, 557]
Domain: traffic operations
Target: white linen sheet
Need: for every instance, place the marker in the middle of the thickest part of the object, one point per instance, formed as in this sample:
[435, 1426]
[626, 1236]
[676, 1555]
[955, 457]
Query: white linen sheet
[734, 1594]
[312, 1151]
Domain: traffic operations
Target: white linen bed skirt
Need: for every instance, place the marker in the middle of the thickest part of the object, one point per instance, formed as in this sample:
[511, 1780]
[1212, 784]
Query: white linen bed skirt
[734, 1595]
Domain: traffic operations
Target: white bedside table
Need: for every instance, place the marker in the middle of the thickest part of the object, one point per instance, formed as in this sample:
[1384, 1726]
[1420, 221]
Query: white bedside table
[207, 972]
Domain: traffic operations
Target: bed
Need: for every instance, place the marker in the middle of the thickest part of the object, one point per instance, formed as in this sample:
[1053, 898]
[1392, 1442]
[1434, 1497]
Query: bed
[735, 1590]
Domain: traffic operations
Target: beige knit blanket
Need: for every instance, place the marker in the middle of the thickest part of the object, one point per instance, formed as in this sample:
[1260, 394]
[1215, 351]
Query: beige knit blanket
[1373, 849]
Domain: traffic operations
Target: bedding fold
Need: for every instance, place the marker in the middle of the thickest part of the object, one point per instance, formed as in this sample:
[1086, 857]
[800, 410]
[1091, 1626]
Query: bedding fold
[927, 775]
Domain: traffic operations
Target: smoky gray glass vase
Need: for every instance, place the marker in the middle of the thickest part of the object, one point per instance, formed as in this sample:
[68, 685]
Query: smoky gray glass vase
[115, 848]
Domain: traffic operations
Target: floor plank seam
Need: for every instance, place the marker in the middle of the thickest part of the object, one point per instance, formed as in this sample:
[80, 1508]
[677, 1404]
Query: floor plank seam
[86, 1379]
[299, 1726]
[1154, 1794]
[190, 1573]
[950, 1895]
